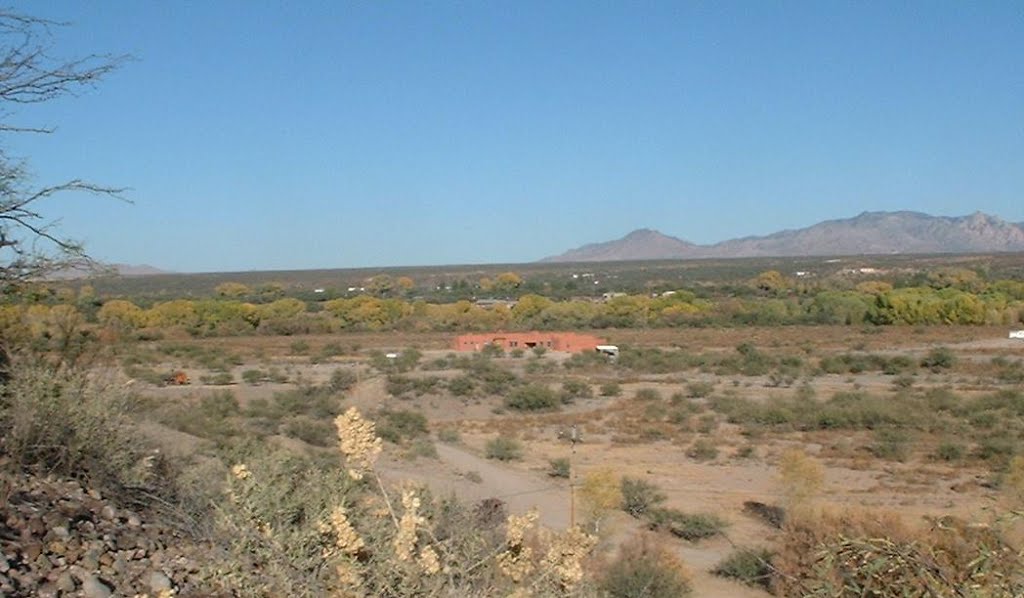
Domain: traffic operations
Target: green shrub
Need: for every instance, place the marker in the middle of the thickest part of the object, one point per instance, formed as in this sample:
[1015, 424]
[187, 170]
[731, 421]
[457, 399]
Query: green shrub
[504, 448]
[462, 386]
[148, 375]
[402, 386]
[63, 423]
[317, 432]
[940, 358]
[533, 397]
[702, 450]
[314, 401]
[692, 527]
[645, 569]
[342, 379]
[331, 350]
[996, 448]
[422, 447]
[217, 379]
[751, 566]
[299, 347]
[648, 394]
[611, 389]
[400, 426]
[707, 423]
[449, 435]
[891, 444]
[950, 451]
[212, 417]
[697, 390]
[640, 496]
[254, 376]
[559, 468]
[575, 389]
[491, 350]
[653, 360]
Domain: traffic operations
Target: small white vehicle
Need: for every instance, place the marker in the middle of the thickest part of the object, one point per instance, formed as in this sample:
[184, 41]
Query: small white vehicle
[1017, 334]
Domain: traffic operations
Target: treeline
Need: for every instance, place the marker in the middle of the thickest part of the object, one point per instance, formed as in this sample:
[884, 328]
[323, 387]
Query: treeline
[1000, 303]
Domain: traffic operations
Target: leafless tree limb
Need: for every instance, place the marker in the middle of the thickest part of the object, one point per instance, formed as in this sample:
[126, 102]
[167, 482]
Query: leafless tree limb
[31, 246]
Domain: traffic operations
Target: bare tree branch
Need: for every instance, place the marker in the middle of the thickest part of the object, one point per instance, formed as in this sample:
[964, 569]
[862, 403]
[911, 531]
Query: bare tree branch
[30, 246]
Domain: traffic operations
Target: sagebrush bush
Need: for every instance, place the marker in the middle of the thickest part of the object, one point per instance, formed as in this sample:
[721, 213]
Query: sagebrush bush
[640, 496]
[401, 425]
[66, 423]
[645, 568]
[751, 566]
[856, 553]
[533, 397]
[702, 450]
[559, 468]
[342, 379]
[503, 448]
[688, 526]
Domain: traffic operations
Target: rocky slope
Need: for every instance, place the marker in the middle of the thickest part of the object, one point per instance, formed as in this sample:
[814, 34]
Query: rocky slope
[58, 538]
[868, 233]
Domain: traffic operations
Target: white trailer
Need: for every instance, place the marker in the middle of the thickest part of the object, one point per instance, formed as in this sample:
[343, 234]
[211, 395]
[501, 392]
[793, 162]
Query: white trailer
[1017, 334]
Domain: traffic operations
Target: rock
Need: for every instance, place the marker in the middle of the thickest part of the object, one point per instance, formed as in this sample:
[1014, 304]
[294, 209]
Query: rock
[4, 565]
[159, 582]
[48, 590]
[31, 550]
[66, 582]
[108, 512]
[61, 532]
[134, 520]
[90, 562]
[92, 587]
[58, 548]
[42, 564]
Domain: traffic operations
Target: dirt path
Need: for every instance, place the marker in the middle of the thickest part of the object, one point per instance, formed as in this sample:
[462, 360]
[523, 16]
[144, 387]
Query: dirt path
[523, 490]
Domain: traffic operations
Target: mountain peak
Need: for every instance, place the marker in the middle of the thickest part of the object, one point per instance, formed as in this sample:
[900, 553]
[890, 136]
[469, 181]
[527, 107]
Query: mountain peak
[640, 244]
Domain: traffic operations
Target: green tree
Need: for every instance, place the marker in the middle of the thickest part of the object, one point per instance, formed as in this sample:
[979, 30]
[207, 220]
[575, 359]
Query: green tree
[233, 290]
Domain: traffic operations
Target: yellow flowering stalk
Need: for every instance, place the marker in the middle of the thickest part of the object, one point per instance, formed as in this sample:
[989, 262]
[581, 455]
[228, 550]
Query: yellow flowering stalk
[516, 561]
[405, 539]
[565, 555]
[358, 441]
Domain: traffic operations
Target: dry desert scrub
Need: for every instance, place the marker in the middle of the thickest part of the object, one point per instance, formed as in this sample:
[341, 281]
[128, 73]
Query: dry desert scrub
[856, 553]
[300, 529]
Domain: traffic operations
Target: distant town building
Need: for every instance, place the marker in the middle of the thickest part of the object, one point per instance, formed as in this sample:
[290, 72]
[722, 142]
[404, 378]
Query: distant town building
[569, 342]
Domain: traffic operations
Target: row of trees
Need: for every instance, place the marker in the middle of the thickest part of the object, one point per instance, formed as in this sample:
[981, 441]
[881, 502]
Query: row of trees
[120, 318]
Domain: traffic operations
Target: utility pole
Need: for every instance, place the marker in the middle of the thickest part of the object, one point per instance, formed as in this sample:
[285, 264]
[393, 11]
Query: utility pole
[573, 439]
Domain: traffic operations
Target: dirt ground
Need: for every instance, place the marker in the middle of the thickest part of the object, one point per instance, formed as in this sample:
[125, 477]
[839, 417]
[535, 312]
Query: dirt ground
[913, 489]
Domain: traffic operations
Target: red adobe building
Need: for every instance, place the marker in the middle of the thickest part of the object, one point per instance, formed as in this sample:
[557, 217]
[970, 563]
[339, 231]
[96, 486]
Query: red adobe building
[569, 342]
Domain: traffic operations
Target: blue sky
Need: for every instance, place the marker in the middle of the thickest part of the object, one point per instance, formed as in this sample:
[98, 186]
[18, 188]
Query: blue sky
[285, 135]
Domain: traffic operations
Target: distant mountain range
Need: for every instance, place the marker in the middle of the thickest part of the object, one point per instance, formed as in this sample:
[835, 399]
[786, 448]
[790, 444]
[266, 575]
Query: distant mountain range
[868, 233]
[118, 269]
